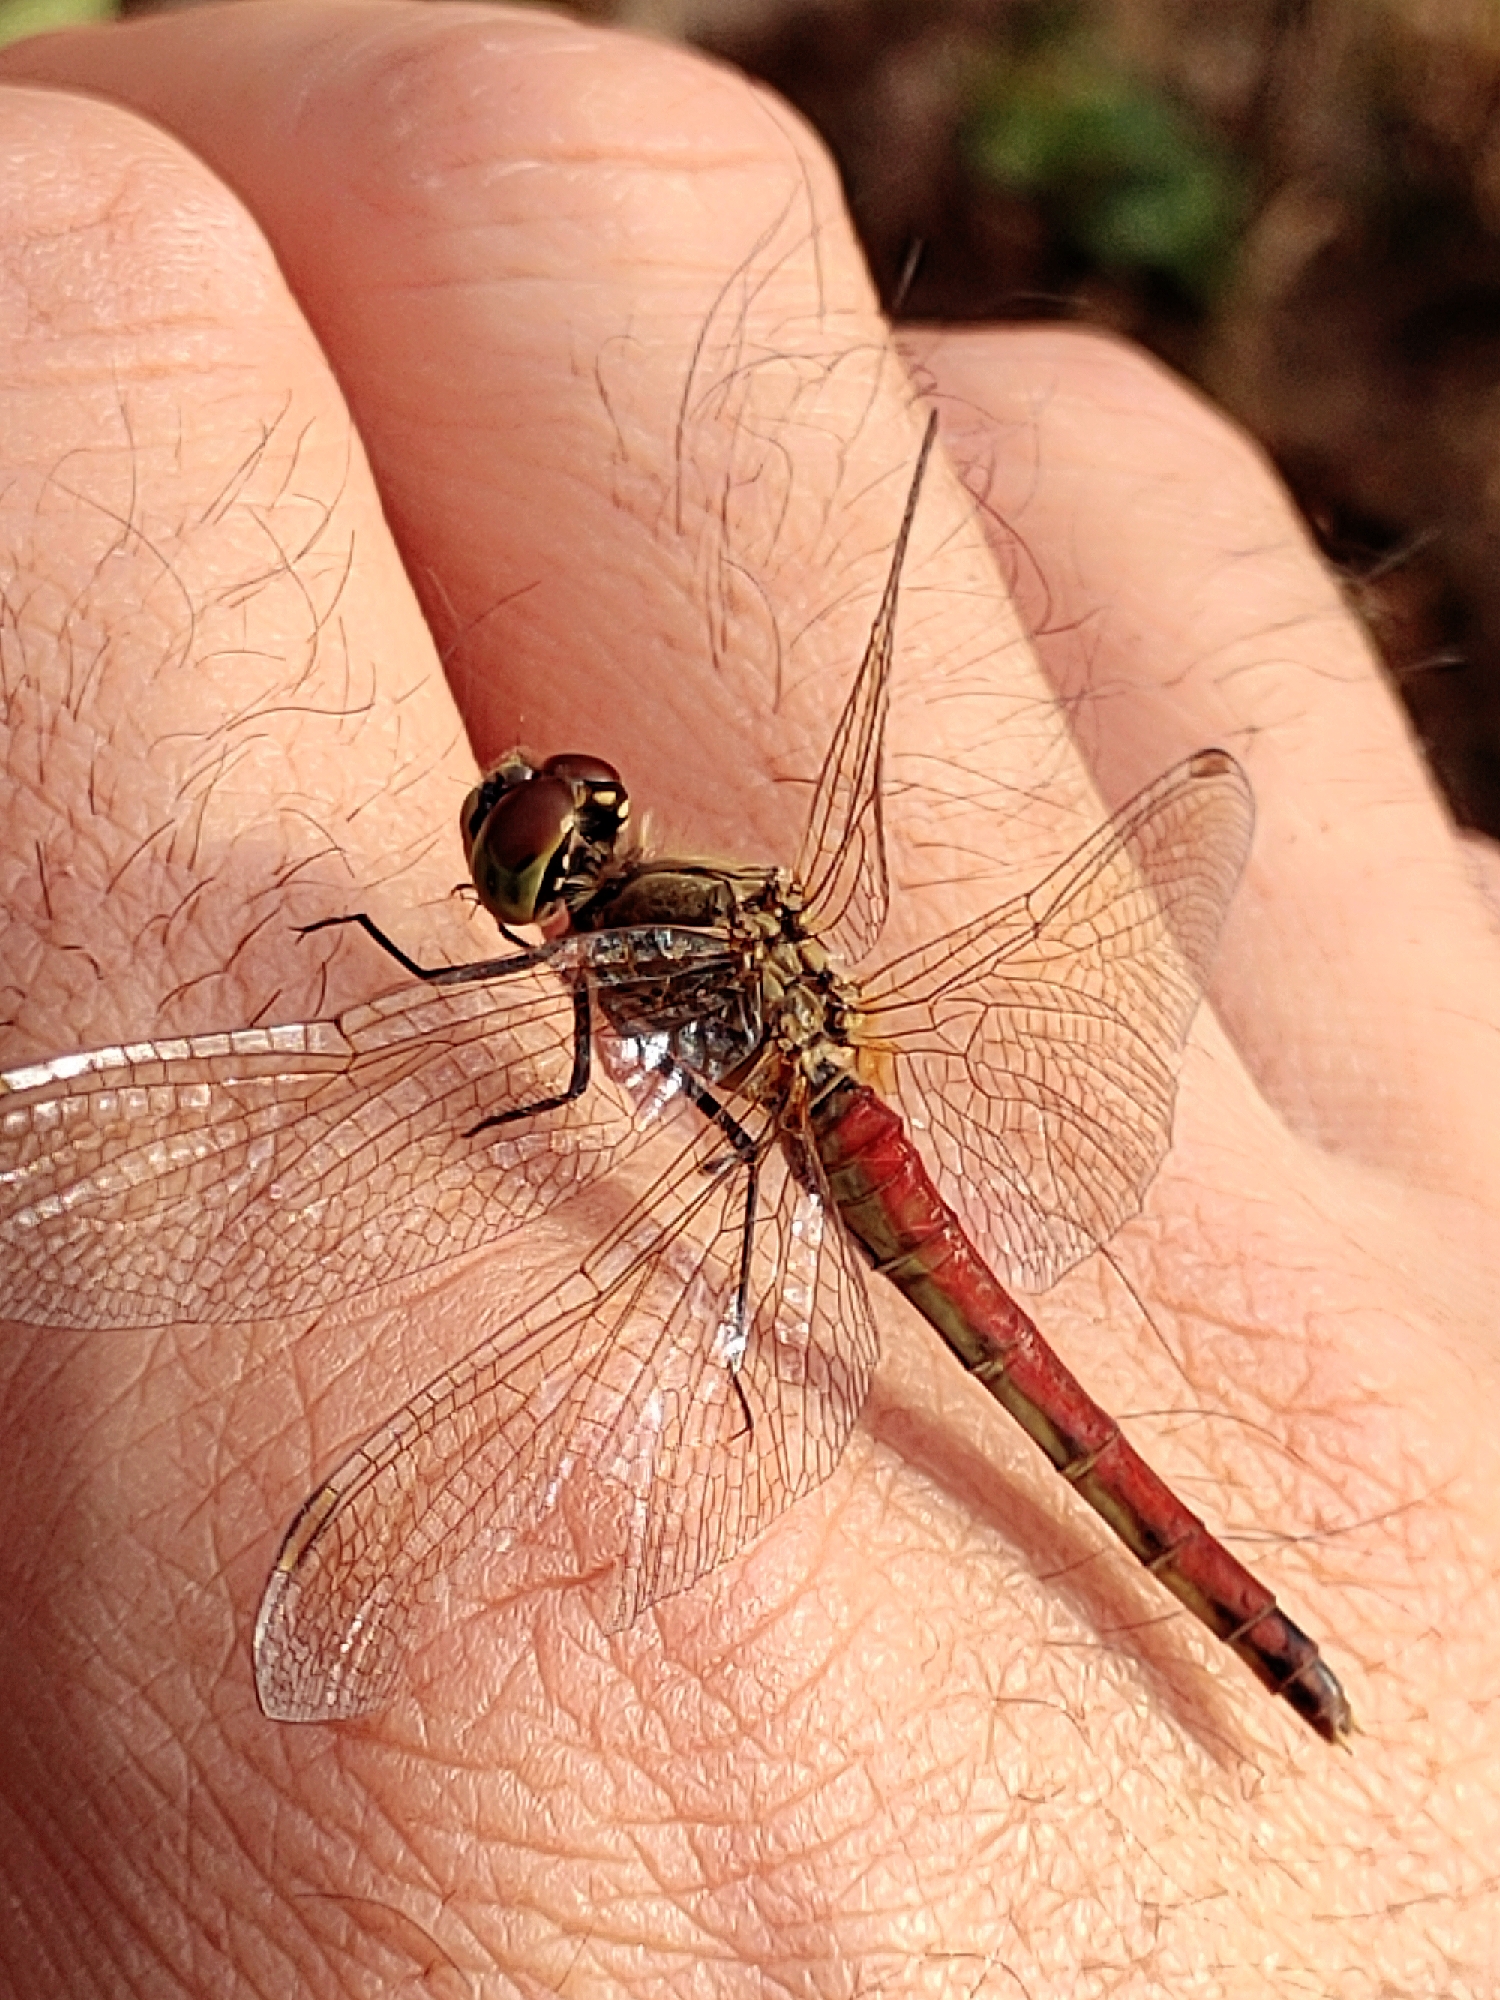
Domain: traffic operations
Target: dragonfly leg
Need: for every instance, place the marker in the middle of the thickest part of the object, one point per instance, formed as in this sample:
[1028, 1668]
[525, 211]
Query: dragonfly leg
[713, 1108]
[742, 1290]
[435, 975]
[578, 1082]
[740, 1311]
[749, 1156]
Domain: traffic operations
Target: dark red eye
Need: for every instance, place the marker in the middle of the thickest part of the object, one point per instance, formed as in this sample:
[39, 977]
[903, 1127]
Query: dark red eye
[531, 831]
[516, 855]
[514, 768]
[588, 770]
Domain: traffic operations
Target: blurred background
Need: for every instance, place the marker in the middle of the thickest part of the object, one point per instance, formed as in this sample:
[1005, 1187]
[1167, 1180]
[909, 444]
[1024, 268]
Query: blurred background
[1295, 203]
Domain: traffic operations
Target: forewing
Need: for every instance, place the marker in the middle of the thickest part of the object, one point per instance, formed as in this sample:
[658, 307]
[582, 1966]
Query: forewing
[1038, 1047]
[275, 1171]
[841, 864]
[632, 1416]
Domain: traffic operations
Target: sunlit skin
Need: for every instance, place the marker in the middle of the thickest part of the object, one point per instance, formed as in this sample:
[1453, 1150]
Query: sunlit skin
[683, 1045]
[916, 1741]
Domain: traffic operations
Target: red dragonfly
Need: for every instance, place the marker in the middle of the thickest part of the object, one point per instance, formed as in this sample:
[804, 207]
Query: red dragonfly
[681, 1063]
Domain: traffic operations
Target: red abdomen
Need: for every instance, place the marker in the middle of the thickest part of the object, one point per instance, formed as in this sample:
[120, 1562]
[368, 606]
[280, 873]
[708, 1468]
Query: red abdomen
[888, 1201]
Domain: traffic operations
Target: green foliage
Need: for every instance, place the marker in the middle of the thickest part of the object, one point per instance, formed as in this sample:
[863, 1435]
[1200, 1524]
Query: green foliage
[1126, 175]
[20, 18]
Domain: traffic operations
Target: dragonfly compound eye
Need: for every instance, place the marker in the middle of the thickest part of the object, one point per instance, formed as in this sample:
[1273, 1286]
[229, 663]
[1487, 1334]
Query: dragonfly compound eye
[514, 768]
[519, 853]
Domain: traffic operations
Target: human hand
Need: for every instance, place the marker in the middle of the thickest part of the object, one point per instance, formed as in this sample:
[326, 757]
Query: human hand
[933, 1733]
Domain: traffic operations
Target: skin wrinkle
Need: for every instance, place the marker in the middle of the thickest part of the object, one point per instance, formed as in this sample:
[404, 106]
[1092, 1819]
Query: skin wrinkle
[1061, 1945]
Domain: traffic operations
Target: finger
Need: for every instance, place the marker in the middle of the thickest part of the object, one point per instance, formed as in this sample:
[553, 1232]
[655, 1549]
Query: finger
[633, 411]
[194, 579]
[1483, 856]
[1175, 600]
[199, 579]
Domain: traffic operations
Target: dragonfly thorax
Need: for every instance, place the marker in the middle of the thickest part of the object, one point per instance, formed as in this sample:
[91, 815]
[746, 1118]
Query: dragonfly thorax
[546, 844]
[758, 1001]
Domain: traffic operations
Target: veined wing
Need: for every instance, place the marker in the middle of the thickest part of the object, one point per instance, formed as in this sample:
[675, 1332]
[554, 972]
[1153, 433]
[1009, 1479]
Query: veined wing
[275, 1171]
[1038, 1046]
[841, 863]
[635, 1414]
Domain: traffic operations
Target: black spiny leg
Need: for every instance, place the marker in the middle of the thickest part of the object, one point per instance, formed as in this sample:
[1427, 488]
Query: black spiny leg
[749, 1156]
[742, 1287]
[435, 975]
[487, 968]
[712, 1108]
[578, 1082]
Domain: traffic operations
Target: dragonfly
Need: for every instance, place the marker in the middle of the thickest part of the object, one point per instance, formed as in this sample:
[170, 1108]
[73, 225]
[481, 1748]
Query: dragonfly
[670, 1055]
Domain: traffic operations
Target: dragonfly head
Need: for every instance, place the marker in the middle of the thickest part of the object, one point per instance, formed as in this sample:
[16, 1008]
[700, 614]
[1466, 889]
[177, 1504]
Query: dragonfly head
[537, 836]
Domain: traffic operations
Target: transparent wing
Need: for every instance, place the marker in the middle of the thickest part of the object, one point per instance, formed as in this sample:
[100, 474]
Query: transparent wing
[274, 1171]
[841, 863]
[1037, 1048]
[636, 1414]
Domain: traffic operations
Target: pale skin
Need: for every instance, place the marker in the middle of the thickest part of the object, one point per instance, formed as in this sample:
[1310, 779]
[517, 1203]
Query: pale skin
[933, 1734]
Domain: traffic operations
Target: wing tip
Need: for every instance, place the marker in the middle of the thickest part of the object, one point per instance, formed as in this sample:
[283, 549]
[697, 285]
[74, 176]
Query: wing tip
[299, 1677]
